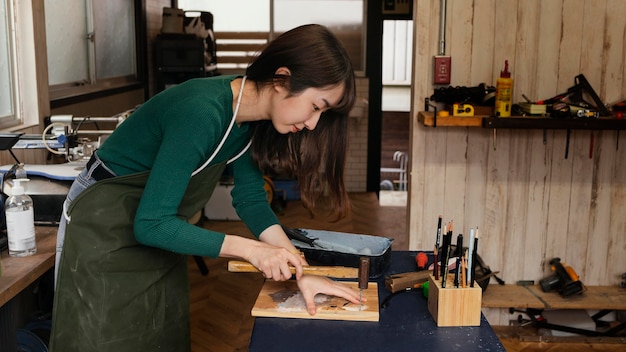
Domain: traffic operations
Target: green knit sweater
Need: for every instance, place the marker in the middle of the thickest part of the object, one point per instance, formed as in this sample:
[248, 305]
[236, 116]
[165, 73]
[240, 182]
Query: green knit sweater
[173, 134]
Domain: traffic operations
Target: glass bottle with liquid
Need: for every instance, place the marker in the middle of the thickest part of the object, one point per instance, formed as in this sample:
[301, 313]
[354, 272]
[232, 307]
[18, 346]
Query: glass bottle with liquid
[20, 218]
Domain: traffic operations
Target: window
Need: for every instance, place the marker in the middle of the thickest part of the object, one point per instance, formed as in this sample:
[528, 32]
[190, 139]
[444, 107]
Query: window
[397, 52]
[346, 18]
[7, 102]
[18, 86]
[91, 45]
[233, 15]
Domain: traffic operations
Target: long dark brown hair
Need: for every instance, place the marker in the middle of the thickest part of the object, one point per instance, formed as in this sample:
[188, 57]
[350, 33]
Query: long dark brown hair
[316, 158]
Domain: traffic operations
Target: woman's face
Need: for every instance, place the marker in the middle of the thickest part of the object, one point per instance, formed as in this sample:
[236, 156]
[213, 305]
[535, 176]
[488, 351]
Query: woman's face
[291, 114]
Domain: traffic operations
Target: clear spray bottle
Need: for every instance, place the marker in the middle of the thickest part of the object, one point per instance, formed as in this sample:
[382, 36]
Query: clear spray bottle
[20, 218]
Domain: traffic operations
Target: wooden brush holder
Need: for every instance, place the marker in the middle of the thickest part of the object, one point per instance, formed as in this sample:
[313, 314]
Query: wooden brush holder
[452, 306]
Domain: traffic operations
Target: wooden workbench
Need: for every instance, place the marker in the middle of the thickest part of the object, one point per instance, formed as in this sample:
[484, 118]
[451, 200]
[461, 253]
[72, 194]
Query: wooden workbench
[19, 272]
[510, 296]
[517, 296]
[533, 301]
[405, 324]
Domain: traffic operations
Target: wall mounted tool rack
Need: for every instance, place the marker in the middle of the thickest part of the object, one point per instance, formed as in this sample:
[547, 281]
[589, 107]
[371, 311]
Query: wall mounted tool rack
[602, 123]
[554, 124]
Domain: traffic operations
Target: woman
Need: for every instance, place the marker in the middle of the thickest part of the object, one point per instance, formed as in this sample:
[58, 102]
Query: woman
[122, 277]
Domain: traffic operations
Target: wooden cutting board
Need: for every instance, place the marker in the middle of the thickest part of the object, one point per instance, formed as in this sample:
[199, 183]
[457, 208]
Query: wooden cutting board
[282, 299]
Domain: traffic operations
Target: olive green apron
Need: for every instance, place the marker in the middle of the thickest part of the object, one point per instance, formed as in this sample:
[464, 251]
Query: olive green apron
[114, 294]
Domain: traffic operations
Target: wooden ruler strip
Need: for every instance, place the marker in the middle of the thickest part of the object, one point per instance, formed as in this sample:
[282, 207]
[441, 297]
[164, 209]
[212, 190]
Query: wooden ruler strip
[339, 272]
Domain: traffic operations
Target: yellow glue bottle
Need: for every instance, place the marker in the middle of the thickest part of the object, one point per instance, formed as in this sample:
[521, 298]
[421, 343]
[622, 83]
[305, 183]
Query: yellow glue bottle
[504, 92]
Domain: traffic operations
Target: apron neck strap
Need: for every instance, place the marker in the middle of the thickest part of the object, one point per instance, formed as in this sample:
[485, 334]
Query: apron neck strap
[230, 127]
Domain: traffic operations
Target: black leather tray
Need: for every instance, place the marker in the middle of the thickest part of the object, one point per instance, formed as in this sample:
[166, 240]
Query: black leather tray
[343, 249]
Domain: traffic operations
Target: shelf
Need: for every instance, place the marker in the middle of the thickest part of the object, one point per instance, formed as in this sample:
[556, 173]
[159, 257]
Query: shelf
[554, 124]
[604, 123]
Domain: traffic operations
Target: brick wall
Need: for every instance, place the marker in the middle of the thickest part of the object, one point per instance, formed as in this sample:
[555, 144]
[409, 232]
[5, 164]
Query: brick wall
[356, 165]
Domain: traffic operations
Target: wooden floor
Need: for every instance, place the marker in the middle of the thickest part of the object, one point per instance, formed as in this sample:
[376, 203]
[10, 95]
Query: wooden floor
[221, 302]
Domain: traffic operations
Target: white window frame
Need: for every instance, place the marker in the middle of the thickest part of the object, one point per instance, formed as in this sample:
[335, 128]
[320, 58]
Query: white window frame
[92, 83]
[224, 23]
[23, 63]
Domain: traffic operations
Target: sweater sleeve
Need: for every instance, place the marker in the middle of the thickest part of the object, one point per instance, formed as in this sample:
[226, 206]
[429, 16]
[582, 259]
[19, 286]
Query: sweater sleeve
[249, 196]
[171, 135]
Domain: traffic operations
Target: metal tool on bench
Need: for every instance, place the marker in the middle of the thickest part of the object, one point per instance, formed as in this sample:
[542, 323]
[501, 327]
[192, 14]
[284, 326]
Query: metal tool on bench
[406, 281]
[68, 128]
[364, 275]
[66, 135]
[564, 279]
[49, 183]
[536, 319]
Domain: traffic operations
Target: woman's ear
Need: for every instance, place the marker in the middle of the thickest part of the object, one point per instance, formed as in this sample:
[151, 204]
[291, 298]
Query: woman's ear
[283, 71]
[282, 84]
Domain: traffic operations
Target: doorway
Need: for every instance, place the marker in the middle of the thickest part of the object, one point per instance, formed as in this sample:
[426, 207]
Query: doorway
[397, 44]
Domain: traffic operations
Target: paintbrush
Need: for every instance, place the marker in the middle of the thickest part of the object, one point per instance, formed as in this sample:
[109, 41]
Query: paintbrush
[436, 251]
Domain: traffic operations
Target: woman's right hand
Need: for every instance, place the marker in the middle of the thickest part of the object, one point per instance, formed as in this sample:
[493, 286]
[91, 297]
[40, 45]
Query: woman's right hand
[272, 261]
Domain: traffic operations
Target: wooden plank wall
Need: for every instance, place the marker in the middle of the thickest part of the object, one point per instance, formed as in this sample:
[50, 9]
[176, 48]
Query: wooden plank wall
[529, 202]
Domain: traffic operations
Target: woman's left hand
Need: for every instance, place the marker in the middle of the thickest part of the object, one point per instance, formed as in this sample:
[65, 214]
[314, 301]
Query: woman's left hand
[310, 285]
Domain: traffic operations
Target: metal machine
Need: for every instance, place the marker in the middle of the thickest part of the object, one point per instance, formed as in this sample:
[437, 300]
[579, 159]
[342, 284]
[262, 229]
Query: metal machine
[48, 184]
